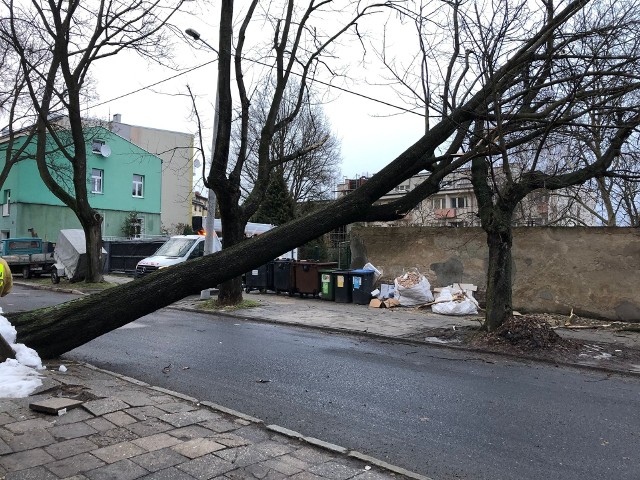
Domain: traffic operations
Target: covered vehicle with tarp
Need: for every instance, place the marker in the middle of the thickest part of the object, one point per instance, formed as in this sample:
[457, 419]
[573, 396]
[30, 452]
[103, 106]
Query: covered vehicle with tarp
[70, 256]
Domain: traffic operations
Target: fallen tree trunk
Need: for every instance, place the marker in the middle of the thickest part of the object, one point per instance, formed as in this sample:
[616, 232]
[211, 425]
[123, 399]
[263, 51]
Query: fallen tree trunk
[5, 350]
[55, 330]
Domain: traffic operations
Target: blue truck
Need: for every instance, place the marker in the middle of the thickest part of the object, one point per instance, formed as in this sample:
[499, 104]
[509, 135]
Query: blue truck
[27, 256]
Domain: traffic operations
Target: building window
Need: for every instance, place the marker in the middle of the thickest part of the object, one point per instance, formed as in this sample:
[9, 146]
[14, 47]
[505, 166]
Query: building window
[96, 180]
[459, 202]
[96, 146]
[439, 203]
[138, 185]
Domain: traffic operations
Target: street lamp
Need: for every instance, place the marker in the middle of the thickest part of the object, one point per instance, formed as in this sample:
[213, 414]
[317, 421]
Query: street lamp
[209, 225]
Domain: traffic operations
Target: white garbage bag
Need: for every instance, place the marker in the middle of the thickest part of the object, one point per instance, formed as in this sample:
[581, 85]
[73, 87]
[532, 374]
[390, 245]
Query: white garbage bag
[413, 289]
[447, 306]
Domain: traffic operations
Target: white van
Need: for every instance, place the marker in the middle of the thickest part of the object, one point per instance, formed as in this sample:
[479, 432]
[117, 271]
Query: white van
[177, 249]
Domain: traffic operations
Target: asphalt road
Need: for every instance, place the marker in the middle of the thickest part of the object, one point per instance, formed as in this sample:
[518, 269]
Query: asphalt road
[439, 412]
[22, 298]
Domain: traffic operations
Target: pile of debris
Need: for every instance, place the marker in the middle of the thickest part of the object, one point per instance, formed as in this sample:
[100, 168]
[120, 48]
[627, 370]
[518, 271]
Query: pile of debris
[412, 289]
[527, 333]
[409, 279]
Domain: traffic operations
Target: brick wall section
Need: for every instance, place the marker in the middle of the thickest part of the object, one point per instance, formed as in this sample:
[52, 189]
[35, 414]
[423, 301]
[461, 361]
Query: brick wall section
[595, 271]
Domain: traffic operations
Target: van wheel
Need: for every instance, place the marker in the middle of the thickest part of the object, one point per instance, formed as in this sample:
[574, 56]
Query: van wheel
[26, 272]
[248, 290]
[55, 278]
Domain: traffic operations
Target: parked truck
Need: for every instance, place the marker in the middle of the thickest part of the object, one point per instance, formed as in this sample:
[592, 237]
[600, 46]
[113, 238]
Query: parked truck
[28, 256]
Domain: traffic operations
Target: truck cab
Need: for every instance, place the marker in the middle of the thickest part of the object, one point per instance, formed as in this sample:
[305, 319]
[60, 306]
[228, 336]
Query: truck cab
[177, 249]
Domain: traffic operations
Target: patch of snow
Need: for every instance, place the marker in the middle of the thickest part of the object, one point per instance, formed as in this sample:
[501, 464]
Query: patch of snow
[19, 377]
[17, 380]
[439, 340]
[7, 330]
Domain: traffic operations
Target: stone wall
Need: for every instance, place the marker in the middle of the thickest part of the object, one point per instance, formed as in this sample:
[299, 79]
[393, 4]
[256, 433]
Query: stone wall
[595, 271]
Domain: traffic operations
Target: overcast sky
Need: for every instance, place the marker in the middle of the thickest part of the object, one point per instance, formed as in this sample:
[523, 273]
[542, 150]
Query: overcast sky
[371, 133]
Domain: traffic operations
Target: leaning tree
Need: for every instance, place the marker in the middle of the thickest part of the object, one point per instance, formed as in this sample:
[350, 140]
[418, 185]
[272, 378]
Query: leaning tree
[53, 46]
[55, 330]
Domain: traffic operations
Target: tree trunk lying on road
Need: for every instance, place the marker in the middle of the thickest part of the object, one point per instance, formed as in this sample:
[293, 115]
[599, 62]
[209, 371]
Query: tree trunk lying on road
[55, 330]
[5, 350]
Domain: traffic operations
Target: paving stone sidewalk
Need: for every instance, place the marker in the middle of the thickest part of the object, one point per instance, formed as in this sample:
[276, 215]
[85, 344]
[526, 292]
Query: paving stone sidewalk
[126, 429]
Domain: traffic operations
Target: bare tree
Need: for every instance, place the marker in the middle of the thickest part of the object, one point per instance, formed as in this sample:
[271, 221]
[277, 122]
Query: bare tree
[53, 331]
[310, 176]
[587, 70]
[302, 39]
[610, 200]
[54, 45]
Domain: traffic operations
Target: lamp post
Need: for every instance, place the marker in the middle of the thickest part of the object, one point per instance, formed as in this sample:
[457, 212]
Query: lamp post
[209, 225]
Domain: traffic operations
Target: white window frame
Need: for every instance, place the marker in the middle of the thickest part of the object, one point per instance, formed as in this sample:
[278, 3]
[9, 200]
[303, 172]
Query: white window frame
[96, 145]
[97, 180]
[138, 186]
[439, 203]
[456, 203]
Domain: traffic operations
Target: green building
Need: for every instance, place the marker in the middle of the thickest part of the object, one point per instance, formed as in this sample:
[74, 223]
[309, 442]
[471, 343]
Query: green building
[121, 179]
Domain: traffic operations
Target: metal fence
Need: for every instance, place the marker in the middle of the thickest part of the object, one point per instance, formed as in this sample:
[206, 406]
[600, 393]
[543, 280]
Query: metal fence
[123, 255]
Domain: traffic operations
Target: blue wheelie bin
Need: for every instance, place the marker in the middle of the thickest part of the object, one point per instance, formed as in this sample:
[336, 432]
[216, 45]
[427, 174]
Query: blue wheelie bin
[362, 285]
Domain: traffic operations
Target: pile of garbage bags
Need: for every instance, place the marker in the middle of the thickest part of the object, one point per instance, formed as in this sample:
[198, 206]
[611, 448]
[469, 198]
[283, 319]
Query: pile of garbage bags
[412, 289]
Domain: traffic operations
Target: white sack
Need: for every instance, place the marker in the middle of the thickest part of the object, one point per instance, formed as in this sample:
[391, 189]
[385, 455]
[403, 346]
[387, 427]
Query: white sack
[416, 295]
[468, 306]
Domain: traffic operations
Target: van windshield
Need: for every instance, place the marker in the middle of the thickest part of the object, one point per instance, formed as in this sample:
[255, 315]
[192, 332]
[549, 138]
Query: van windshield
[176, 247]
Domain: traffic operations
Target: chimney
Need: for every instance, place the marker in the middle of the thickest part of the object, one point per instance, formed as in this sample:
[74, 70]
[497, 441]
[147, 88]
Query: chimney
[117, 118]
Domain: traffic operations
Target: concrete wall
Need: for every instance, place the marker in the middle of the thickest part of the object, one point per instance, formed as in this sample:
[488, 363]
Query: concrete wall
[595, 271]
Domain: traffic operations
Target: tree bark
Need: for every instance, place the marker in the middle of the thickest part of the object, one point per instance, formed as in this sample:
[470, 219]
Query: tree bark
[230, 292]
[499, 275]
[496, 215]
[5, 350]
[94, 245]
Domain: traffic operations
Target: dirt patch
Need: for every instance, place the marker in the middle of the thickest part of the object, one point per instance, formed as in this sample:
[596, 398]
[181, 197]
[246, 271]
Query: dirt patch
[534, 336]
[530, 337]
[525, 333]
